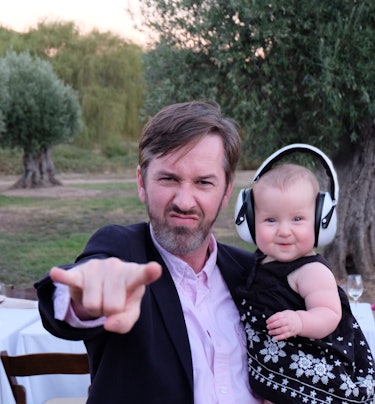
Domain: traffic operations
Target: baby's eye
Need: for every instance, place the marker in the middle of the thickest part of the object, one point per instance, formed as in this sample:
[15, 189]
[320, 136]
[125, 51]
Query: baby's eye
[271, 220]
[297, 219]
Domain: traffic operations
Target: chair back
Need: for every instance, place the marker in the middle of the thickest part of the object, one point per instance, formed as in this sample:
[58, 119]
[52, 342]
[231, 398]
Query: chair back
[40, 364]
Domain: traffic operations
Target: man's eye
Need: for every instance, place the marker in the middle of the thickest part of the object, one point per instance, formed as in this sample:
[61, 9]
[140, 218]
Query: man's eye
[204, 183]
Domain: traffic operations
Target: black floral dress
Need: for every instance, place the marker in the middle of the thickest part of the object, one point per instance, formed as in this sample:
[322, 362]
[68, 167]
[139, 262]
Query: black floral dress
[333, 370]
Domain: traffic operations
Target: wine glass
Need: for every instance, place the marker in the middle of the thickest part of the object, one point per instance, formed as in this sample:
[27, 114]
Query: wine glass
[355, 287]
[3, 292]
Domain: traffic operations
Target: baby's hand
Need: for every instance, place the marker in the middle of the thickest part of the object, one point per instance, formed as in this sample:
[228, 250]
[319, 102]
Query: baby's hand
[284, 324]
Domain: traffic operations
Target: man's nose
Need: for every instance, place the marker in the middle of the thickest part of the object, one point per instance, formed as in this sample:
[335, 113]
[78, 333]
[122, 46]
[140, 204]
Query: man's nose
[184, 197]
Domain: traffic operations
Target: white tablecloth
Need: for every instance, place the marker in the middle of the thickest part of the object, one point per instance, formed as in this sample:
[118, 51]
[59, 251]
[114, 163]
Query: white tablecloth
[33, 339]
[363, 314]
[21, 331]
[12, 320]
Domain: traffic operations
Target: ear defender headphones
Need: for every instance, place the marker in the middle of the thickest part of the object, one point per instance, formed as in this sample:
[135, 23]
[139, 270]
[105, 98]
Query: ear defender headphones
[325, 208]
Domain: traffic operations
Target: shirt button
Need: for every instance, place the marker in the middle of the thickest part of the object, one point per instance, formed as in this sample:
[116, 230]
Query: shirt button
[223, 390]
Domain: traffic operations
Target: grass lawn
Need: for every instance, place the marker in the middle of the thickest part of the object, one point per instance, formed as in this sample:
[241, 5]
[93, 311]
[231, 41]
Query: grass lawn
[37, 232]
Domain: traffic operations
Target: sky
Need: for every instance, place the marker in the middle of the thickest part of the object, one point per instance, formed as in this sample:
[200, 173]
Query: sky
[109, 15]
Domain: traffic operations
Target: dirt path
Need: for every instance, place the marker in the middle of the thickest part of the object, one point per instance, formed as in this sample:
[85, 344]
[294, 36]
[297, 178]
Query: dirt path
[70, 190]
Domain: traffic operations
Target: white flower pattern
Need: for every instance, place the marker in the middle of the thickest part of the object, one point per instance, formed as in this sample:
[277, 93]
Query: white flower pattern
[317, 369]
[311, 376]
[273, 350]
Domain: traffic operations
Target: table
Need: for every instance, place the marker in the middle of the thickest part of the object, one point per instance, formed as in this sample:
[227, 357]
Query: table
[15, 314]
[34, 338]
[21, 331]
[363, 314]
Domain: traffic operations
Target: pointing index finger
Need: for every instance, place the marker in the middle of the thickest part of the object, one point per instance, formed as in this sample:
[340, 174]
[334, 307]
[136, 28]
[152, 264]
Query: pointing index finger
[152, 271]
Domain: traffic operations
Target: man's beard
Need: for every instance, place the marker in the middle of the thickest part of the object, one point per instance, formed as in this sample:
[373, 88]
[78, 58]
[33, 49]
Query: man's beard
[180, 240]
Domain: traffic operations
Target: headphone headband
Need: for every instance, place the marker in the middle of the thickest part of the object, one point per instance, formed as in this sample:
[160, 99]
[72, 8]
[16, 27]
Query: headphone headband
[296, 147]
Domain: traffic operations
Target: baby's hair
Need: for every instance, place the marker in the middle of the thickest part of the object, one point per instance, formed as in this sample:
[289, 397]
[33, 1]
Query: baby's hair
[284, 175]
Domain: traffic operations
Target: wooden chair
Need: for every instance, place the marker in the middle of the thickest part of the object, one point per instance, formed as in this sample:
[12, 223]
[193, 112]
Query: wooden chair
[43, 364]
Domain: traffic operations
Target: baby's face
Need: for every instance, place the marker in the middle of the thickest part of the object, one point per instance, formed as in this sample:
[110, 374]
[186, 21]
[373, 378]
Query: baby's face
[285, 220]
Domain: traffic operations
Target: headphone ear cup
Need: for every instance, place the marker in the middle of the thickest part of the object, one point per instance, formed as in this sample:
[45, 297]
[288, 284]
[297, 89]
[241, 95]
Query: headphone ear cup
[244, 215]
[325, 219]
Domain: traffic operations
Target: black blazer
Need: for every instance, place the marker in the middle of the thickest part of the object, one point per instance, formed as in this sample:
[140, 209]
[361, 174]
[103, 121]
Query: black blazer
[152, 363]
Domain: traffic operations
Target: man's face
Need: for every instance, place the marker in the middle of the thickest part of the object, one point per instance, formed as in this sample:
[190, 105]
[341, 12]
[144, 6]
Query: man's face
[184, 192]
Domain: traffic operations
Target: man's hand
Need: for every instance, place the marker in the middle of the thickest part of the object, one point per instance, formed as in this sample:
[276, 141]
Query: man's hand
[108, 287]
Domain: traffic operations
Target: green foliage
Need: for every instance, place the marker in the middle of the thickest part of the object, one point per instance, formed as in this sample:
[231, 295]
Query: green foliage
[10, 40]
[106, 71]
[109, 77]
[4, 97]
[10, 162]
[73, 159]
[2, 124]
[287, 71]
[39, 110]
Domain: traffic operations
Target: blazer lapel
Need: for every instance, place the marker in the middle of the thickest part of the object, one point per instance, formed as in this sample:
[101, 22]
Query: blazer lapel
[166, 296]
[169, 303]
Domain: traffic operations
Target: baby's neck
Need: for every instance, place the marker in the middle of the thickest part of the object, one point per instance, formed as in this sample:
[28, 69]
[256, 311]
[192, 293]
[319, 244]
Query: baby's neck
[269, 258]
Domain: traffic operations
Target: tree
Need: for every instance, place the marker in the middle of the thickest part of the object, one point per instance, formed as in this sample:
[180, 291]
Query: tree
[104, 68]
[288, 71]
[39, 111]
[3, 99]
[101, 66]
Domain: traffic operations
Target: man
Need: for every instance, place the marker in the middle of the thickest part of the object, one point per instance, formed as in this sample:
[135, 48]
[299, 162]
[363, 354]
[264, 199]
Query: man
[153, 303]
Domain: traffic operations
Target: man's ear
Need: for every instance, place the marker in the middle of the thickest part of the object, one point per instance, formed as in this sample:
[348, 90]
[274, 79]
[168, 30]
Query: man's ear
[141, 186]
[227, 195]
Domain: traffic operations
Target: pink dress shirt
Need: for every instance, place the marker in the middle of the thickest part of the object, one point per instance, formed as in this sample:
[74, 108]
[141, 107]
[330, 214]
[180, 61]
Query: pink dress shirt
[216, 335]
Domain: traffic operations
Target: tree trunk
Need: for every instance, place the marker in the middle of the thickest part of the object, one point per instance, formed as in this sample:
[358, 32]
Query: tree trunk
[38, 170]
[353, 250]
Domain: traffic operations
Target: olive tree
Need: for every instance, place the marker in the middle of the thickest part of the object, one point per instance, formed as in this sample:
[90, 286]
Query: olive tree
[288, 71]
[39, 111]
[104, 68]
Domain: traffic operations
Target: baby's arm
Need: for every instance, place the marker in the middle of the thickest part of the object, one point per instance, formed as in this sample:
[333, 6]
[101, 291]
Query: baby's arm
[317, 285]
